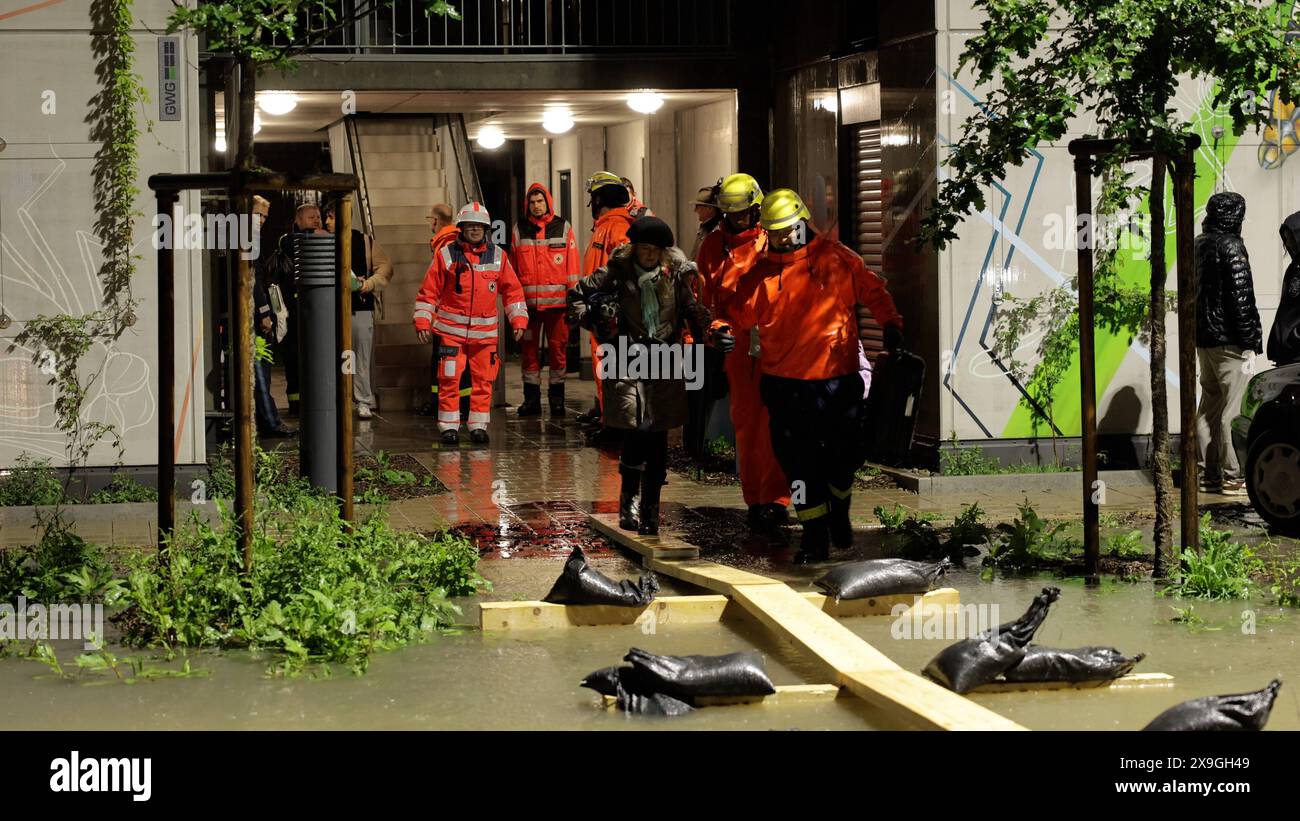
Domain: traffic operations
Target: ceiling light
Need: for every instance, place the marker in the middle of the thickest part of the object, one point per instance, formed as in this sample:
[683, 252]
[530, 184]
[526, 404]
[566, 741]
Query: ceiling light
[557, 121]
[277, 102]
[489, 137]
[645, 102]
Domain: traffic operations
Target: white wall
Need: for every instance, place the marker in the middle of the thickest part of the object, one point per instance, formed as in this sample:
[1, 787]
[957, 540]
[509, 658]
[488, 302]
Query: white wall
[537, 163]
[706, 150]
[564, 157]
[625, 153]
[51, 256]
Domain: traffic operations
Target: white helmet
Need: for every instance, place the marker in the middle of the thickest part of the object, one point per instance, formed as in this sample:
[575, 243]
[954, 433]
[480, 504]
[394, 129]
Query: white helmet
[474, 212]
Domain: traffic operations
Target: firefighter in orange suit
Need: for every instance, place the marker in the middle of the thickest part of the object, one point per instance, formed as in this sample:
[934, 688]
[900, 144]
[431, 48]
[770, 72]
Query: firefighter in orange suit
[805, 309]
[726, 260]
[458, 301]
[609, 204]
[442, 224]
[545, 255]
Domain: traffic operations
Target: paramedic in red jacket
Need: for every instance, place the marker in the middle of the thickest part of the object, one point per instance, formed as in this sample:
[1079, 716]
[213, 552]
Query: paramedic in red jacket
[458, 301]
[545, 256]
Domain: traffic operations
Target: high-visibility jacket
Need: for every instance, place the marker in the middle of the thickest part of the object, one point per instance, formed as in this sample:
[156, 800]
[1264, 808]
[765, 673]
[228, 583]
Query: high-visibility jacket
[609, 233]
[805, 308]
[545, 255]
[458, 299]
[724, 260]
[445, 236]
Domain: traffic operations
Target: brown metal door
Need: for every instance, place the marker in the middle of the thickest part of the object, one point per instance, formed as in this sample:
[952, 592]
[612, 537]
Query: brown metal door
[865, 229]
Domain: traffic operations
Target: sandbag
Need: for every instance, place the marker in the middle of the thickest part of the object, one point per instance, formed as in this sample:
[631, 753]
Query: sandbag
[1245, 711]
[688, 677]
[881, 577]
[969, 663]
[581, 583]
[633, 693]
[1084, 664]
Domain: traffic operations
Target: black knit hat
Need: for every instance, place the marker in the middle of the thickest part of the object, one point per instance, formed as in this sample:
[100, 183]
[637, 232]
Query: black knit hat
[651, 231]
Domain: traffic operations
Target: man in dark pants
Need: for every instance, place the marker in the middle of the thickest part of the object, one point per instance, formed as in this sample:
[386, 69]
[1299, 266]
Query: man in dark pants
[804, 305]
[1228, 336]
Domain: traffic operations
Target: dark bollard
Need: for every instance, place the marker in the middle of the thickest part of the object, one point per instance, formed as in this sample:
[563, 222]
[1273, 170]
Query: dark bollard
[313, 260]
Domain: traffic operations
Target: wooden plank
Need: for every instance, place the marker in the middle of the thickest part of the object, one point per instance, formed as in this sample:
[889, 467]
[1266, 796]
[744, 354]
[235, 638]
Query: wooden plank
[652, 547]
[536, 615]
[785, 694]
[718, 578]
[854, 663]
[1134, 681]
[863, 669]
[884, 605]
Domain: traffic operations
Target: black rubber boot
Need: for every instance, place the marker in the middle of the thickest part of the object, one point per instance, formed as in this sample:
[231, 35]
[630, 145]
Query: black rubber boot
[590, 417]
[815, 544]
[651, 485]
[451, 437]
[555, 393]
[841, 529]
[478, 436]
[627, 496]
[532, 404]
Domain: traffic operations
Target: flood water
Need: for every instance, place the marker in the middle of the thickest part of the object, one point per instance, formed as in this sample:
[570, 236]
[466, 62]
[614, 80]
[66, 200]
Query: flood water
[530, 680]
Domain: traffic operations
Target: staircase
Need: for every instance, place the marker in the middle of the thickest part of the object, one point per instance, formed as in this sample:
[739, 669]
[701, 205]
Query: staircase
[403, 174]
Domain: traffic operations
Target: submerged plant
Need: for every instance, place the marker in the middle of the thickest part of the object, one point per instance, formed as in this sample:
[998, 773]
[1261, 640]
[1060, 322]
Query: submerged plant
[1221, 570]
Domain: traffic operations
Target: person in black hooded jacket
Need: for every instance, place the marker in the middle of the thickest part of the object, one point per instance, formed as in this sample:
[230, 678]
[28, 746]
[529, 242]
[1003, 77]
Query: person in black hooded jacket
[1228, 335]
[1284, 338]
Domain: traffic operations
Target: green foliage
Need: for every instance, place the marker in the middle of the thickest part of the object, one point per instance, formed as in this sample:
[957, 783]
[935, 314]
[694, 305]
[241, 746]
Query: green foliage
[967, 529]
[891, 519]
[319, 593]
[124, 489]
[1128, 545]
[99, 660]
[1027, 541]
[914, 539]
[60, 567]
[719, 448]
[1222, 570]
[262, 349]
[31, 482]
[959, 461]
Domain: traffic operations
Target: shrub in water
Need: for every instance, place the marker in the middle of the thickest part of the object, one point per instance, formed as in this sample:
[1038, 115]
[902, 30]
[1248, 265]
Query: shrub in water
[1222, 569]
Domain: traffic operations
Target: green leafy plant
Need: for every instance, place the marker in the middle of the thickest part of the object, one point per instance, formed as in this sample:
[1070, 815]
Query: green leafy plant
[61, 566]
[959, 461]
[1026, 541]
[891, 519]
[1221, 570]
[319, 593]
[718, 448]
[30, 482]
[124, 489]
[967, 529]
[914, 539]
[1127, 545]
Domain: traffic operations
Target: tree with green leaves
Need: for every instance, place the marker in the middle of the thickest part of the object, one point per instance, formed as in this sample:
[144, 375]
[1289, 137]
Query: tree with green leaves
[262, 34]
[1044, 62]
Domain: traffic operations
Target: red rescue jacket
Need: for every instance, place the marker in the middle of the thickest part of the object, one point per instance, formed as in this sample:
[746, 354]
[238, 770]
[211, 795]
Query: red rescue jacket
[458, 299]
[545, 255]
[609, 233]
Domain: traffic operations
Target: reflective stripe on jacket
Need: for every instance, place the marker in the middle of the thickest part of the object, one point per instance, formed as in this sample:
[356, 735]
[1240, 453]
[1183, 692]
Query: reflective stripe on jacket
[458, 299]
[545, 255]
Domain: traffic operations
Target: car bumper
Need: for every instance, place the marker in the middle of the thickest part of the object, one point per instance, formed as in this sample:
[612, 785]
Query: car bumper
[1240, 440]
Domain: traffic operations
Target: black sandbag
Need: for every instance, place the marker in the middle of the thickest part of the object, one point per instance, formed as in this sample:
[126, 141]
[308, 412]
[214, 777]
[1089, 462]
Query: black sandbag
[1084, 664]
[633, 693]
[1244, 711]
[581, 583]
[688, 677]
[963, 666]
[882, 577]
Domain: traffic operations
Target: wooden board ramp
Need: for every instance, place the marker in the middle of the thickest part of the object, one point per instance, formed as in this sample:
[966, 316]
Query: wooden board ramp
[1133, 681]
[786, 694]
[851, 661]
[537, 615]
[663, 546]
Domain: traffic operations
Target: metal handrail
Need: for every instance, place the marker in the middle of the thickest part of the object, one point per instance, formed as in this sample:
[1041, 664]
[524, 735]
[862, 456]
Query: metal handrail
[359, 169]
[530, 27]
